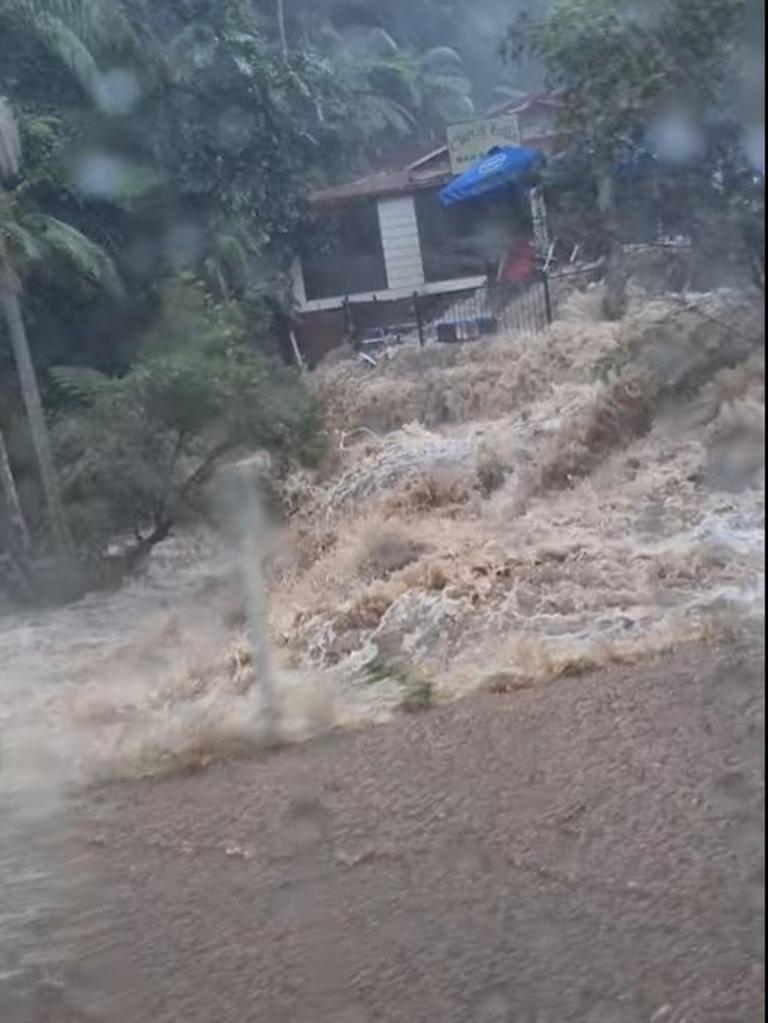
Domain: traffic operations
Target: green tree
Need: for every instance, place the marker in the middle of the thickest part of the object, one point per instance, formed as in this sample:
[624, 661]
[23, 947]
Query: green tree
[185, 136]
[137, 448]
[401, 94]
[624, 66]
[10, 304]
[634, 74]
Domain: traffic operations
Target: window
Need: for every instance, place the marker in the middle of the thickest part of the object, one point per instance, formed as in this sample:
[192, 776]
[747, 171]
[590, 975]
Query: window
[343, 254]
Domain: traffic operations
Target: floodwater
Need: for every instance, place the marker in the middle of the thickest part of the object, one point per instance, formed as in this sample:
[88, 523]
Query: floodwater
[550, 524]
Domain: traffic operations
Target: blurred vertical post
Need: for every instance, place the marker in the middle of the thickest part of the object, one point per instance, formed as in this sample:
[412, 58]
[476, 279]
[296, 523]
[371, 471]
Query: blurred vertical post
[419, 320]
[349, 323]
[539, 219]
[547, 296]
[297, 352]
[243, 487]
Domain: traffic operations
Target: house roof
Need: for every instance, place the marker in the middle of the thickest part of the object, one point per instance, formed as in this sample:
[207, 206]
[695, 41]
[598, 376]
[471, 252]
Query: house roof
[386, 183]
[433, 169]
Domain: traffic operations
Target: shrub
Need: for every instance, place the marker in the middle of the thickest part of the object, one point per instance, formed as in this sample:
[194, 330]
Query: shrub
[135, 449]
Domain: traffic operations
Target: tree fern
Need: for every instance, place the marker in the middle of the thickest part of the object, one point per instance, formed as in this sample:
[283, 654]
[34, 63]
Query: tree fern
[79, 33]
[22, 248]
[72, 256]
[70, 49]
[82, 383]
[445, 59]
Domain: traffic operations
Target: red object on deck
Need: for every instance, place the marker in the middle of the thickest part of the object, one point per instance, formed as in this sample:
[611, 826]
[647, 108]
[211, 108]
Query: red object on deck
[520, 265]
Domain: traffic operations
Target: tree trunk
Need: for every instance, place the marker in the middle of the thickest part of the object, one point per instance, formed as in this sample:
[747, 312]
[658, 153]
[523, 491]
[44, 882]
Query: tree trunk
[14, 536]
[11, 310]
[281, 28]
[10, 499]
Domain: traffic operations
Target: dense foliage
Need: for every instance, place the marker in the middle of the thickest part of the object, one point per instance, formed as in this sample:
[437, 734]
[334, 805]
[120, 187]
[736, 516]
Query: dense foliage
[155, 160]
[179, 134]
[134, 448]
[165, 155]
[660, 94]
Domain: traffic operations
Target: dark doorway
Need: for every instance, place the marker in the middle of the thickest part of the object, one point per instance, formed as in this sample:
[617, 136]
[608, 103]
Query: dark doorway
[467, 239]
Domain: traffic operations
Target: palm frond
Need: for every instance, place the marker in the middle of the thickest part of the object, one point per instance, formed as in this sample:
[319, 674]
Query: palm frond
[366, 43]
[383, 113]
[454, 84]
[81, 382]
[65, 250]
[100, 24]
[396, 80]
[20, 243]
[64, 44]
[444, 58]
[79, 33]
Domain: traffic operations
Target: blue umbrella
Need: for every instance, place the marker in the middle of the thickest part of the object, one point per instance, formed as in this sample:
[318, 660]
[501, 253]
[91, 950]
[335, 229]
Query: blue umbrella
[507, 165]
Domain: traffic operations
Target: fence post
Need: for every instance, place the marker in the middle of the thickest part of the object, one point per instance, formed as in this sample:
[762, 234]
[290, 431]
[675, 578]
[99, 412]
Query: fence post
[349, 322]
[419, 321]
[547, 297]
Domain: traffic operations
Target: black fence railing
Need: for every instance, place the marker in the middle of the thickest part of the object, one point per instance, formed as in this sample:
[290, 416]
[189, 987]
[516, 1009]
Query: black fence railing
[487, 310]
[453, 317]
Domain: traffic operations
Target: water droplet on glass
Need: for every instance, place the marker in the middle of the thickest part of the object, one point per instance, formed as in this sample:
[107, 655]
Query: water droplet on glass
[100, 175]
[234, 129]
[299, 903]
[675, 138]
[754, 146]
[183, 245]
[117, 91]
[305, 824]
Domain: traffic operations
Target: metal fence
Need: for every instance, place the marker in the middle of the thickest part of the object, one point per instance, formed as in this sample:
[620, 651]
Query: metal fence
[449, 318]
[490, 309]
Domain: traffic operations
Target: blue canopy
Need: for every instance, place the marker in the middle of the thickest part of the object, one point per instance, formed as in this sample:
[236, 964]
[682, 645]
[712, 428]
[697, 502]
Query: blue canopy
[507, 165]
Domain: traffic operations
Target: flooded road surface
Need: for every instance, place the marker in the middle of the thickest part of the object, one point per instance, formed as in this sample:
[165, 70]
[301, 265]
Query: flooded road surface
[49, 912]
[590, 850]
[585, 850]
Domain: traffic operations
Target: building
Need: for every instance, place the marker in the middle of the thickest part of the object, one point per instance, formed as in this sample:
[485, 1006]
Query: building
[378, 240]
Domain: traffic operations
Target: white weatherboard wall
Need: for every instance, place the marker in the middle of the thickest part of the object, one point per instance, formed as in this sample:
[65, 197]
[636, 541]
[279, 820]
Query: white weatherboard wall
[400, 241]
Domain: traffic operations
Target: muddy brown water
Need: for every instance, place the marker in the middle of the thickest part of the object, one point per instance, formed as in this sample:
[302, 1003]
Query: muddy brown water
[589, 850]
